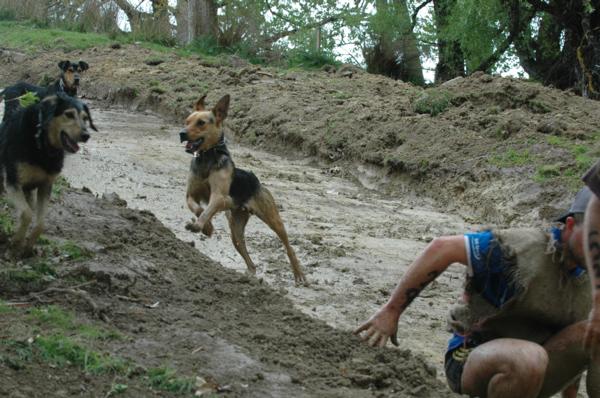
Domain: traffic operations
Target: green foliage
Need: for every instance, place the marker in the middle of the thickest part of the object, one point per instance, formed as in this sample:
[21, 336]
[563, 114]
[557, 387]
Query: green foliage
[308, 59]
[432, 101]
[28, 99]
[477, 26]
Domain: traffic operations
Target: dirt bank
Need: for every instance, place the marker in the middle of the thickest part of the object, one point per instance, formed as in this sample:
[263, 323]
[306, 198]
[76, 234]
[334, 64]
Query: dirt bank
[174, 306]
[505, 151]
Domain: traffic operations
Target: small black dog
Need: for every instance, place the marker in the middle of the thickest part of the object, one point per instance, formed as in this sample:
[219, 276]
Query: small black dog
[33, 142]
[67, 82]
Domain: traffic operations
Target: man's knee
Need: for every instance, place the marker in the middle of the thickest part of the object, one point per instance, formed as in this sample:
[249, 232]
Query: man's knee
[519, 369]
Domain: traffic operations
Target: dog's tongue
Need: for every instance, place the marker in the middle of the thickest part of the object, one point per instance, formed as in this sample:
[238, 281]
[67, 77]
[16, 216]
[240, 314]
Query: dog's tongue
[74, 147]
[189, 145]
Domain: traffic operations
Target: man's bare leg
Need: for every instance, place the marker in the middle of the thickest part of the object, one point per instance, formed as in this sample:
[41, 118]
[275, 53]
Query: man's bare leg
[567, 361]
[505, 368]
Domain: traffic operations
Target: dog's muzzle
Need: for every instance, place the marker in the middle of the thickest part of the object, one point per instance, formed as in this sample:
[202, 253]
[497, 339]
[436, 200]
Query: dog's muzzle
[183, 136]
[191, 146]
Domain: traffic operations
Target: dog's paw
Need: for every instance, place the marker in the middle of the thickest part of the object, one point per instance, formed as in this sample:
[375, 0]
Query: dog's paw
[300, 279]
[208, 229]
[193, 227]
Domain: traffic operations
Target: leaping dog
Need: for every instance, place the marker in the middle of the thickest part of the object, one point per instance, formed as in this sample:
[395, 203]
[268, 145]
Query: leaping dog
[215, 181]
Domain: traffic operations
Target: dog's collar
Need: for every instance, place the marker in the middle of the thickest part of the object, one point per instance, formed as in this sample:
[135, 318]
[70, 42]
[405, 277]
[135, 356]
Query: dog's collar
[61, 84]
[220, 148]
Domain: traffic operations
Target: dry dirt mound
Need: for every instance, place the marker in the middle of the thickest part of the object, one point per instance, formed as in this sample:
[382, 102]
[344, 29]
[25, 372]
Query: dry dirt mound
[503, 150]
[171, 306]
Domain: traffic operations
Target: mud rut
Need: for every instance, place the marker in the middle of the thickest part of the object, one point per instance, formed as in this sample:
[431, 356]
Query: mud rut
[352, 242]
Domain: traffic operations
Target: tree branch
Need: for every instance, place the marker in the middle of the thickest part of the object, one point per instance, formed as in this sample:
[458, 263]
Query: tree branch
[413, 18]
[515, 29]
[286, 33]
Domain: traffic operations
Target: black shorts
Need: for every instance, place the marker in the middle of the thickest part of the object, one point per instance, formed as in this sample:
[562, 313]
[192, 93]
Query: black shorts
[454, 364]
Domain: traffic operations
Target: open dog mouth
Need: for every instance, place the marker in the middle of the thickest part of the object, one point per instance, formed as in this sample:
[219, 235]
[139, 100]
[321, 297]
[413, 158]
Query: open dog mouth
[67, 143]
[190, 146]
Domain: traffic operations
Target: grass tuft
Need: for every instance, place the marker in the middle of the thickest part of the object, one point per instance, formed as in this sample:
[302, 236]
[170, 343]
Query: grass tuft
[165, 379]
[432, 102]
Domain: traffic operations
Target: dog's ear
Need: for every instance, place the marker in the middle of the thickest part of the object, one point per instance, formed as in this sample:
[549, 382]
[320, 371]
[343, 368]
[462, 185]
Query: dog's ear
[220, 110]
[200, 104]
[48, 108]
[63, 65]
[87, 110]
[83, 66]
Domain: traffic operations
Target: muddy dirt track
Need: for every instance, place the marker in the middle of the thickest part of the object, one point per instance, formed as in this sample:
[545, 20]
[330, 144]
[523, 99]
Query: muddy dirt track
[352, 242]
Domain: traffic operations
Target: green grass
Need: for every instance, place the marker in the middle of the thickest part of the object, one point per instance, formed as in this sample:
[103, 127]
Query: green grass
[583, 156]
[432, 102]
[4, 309]
[53, 318]
[512, 158]
[60, 184]
[166, 379]
[61, 350]
[38, 271]
[66, 249]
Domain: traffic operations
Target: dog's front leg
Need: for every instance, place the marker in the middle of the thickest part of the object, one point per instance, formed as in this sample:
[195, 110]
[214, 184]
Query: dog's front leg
[43, 198]
[197, 210]
[24, 214]
[216, 203]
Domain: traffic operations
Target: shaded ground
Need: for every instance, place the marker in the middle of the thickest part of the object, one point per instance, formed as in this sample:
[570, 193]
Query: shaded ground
[173, 306]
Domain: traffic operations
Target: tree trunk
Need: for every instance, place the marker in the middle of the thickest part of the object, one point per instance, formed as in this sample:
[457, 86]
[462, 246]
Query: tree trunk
[451, 60]
[399, 57]
[202, 19]
[566, 53]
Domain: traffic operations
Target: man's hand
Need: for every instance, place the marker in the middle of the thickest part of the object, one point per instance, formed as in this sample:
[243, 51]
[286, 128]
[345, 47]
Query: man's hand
[592, 335]
[381, 326]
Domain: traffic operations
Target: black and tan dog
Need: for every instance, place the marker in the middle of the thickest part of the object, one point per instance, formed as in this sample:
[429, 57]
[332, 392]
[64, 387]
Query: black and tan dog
[33, 143]
[67, 82]
[215, 181]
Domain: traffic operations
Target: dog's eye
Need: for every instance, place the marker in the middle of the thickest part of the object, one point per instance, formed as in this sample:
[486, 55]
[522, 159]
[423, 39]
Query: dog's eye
[200, 123]
[70, 115]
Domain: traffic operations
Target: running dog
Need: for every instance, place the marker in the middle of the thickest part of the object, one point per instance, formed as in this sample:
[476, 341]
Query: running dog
[67, 82]
[215, 181]
[33, 143]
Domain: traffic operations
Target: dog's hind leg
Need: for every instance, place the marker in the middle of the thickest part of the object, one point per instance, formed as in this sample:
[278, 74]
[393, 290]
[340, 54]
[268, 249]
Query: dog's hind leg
[43, 198]
[24, 214]
[263, 205]
[238, 218]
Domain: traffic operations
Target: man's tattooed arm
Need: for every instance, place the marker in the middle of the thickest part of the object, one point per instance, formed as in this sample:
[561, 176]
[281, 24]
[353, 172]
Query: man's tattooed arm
[413, 292]
[594, 255]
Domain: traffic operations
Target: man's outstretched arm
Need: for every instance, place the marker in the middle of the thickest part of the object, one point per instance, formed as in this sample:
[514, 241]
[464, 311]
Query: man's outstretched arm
[434, 260]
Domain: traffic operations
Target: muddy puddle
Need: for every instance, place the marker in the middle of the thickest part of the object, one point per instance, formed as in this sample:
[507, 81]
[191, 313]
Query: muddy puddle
[352, 242]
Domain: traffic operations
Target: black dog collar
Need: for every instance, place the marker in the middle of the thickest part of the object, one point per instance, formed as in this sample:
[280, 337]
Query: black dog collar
[219, 149]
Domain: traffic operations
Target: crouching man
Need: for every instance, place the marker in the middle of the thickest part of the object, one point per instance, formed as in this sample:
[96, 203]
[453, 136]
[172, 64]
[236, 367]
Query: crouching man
[517, 332]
